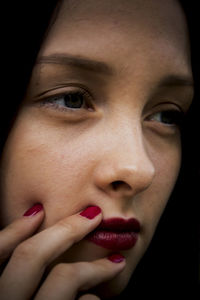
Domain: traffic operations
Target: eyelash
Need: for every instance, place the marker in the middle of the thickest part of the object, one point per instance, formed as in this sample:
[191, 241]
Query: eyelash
[176, 115]
[86, 100]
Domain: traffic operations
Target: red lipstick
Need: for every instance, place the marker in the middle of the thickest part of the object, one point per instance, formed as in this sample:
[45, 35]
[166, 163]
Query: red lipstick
[116, 234]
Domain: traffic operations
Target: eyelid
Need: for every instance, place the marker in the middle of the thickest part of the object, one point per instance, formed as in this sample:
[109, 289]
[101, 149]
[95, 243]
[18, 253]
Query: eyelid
[78, 89]
[180, 113]
[72, 86]
[167, 105]
[161, 127]
[160, 107]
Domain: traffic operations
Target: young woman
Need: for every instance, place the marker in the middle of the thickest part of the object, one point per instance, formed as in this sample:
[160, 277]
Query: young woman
[93, 143]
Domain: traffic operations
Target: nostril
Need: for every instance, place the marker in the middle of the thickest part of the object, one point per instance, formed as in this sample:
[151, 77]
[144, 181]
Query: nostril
[120, 184]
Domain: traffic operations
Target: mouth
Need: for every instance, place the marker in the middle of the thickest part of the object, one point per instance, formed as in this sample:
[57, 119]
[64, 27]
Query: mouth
[116, 234]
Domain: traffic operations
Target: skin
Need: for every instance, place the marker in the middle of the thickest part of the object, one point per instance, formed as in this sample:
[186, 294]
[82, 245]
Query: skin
[68, 160]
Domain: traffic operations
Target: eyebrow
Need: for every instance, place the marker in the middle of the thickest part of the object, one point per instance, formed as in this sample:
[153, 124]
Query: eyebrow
[177, 80]
[101, 67]
[76, 61]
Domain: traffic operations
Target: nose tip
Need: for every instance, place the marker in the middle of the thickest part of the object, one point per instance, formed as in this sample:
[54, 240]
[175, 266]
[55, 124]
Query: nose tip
[120, 180]
[122, 187]
[134, 180]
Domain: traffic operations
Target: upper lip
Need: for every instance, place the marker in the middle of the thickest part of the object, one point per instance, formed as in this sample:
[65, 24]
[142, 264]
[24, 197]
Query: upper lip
[120, 225]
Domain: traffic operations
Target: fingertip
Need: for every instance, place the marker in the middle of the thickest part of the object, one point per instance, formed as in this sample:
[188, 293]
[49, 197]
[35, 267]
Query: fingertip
[34, 210]
[91, 212]
[116, 258]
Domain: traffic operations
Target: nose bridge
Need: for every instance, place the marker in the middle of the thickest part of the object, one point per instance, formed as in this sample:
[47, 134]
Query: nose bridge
[125, 163]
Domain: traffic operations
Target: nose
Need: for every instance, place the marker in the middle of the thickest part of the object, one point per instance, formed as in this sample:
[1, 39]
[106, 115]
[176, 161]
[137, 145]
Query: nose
[124, 168]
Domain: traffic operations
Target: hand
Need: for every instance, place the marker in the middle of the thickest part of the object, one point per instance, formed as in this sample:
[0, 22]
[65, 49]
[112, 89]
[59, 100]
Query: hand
[30, 256]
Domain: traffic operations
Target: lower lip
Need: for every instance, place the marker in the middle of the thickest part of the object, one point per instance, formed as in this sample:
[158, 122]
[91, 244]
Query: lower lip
[113, 240]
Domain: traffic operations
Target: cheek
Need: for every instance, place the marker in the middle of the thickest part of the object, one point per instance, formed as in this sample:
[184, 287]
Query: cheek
[40, 166]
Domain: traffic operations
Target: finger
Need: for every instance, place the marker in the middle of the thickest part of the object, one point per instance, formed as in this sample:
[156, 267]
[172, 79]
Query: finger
[89, 297]
[19, 230]
[29, 260]
[65, 280]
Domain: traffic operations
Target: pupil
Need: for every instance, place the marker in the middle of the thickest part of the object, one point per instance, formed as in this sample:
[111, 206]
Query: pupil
[170, 117]
[73, 100]
[167, 118]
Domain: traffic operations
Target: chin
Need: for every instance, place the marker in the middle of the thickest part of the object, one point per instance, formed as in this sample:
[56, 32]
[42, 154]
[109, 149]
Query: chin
[111, 288]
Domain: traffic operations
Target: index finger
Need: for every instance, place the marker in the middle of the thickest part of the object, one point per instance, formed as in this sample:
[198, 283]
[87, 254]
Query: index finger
[30, 259]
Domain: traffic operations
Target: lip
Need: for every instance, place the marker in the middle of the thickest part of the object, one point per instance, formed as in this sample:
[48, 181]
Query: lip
[116, 234]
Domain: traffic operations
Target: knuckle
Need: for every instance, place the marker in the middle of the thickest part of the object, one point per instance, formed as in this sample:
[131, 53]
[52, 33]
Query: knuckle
[24, 251]
[95, 273]
[70, 229]
[82, 266]
[63, 271]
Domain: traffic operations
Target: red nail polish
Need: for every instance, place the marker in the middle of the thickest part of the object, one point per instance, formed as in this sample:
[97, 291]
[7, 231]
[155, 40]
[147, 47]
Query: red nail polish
[116, 258]
[33, 210]
[91, 212]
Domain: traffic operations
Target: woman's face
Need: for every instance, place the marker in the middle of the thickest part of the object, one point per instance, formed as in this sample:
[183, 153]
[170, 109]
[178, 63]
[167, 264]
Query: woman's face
[114, 141]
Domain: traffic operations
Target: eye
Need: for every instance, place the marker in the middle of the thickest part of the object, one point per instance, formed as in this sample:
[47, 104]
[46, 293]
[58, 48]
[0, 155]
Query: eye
[168, 117]
[75, 100]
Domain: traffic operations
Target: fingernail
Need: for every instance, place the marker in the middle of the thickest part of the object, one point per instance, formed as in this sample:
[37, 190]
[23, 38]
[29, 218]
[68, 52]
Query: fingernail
[91, 212]
[33, 210]
[116, 258]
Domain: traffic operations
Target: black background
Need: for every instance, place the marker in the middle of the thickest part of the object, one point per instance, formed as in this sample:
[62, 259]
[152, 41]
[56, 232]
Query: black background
[170, 267]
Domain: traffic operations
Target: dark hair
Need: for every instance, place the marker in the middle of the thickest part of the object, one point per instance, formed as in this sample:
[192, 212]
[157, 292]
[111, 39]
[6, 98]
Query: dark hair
[26, 25]
[171, 262]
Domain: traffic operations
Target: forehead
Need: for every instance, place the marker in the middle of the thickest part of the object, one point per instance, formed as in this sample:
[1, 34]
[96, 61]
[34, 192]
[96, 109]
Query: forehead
[164, 17]
[110, 29]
